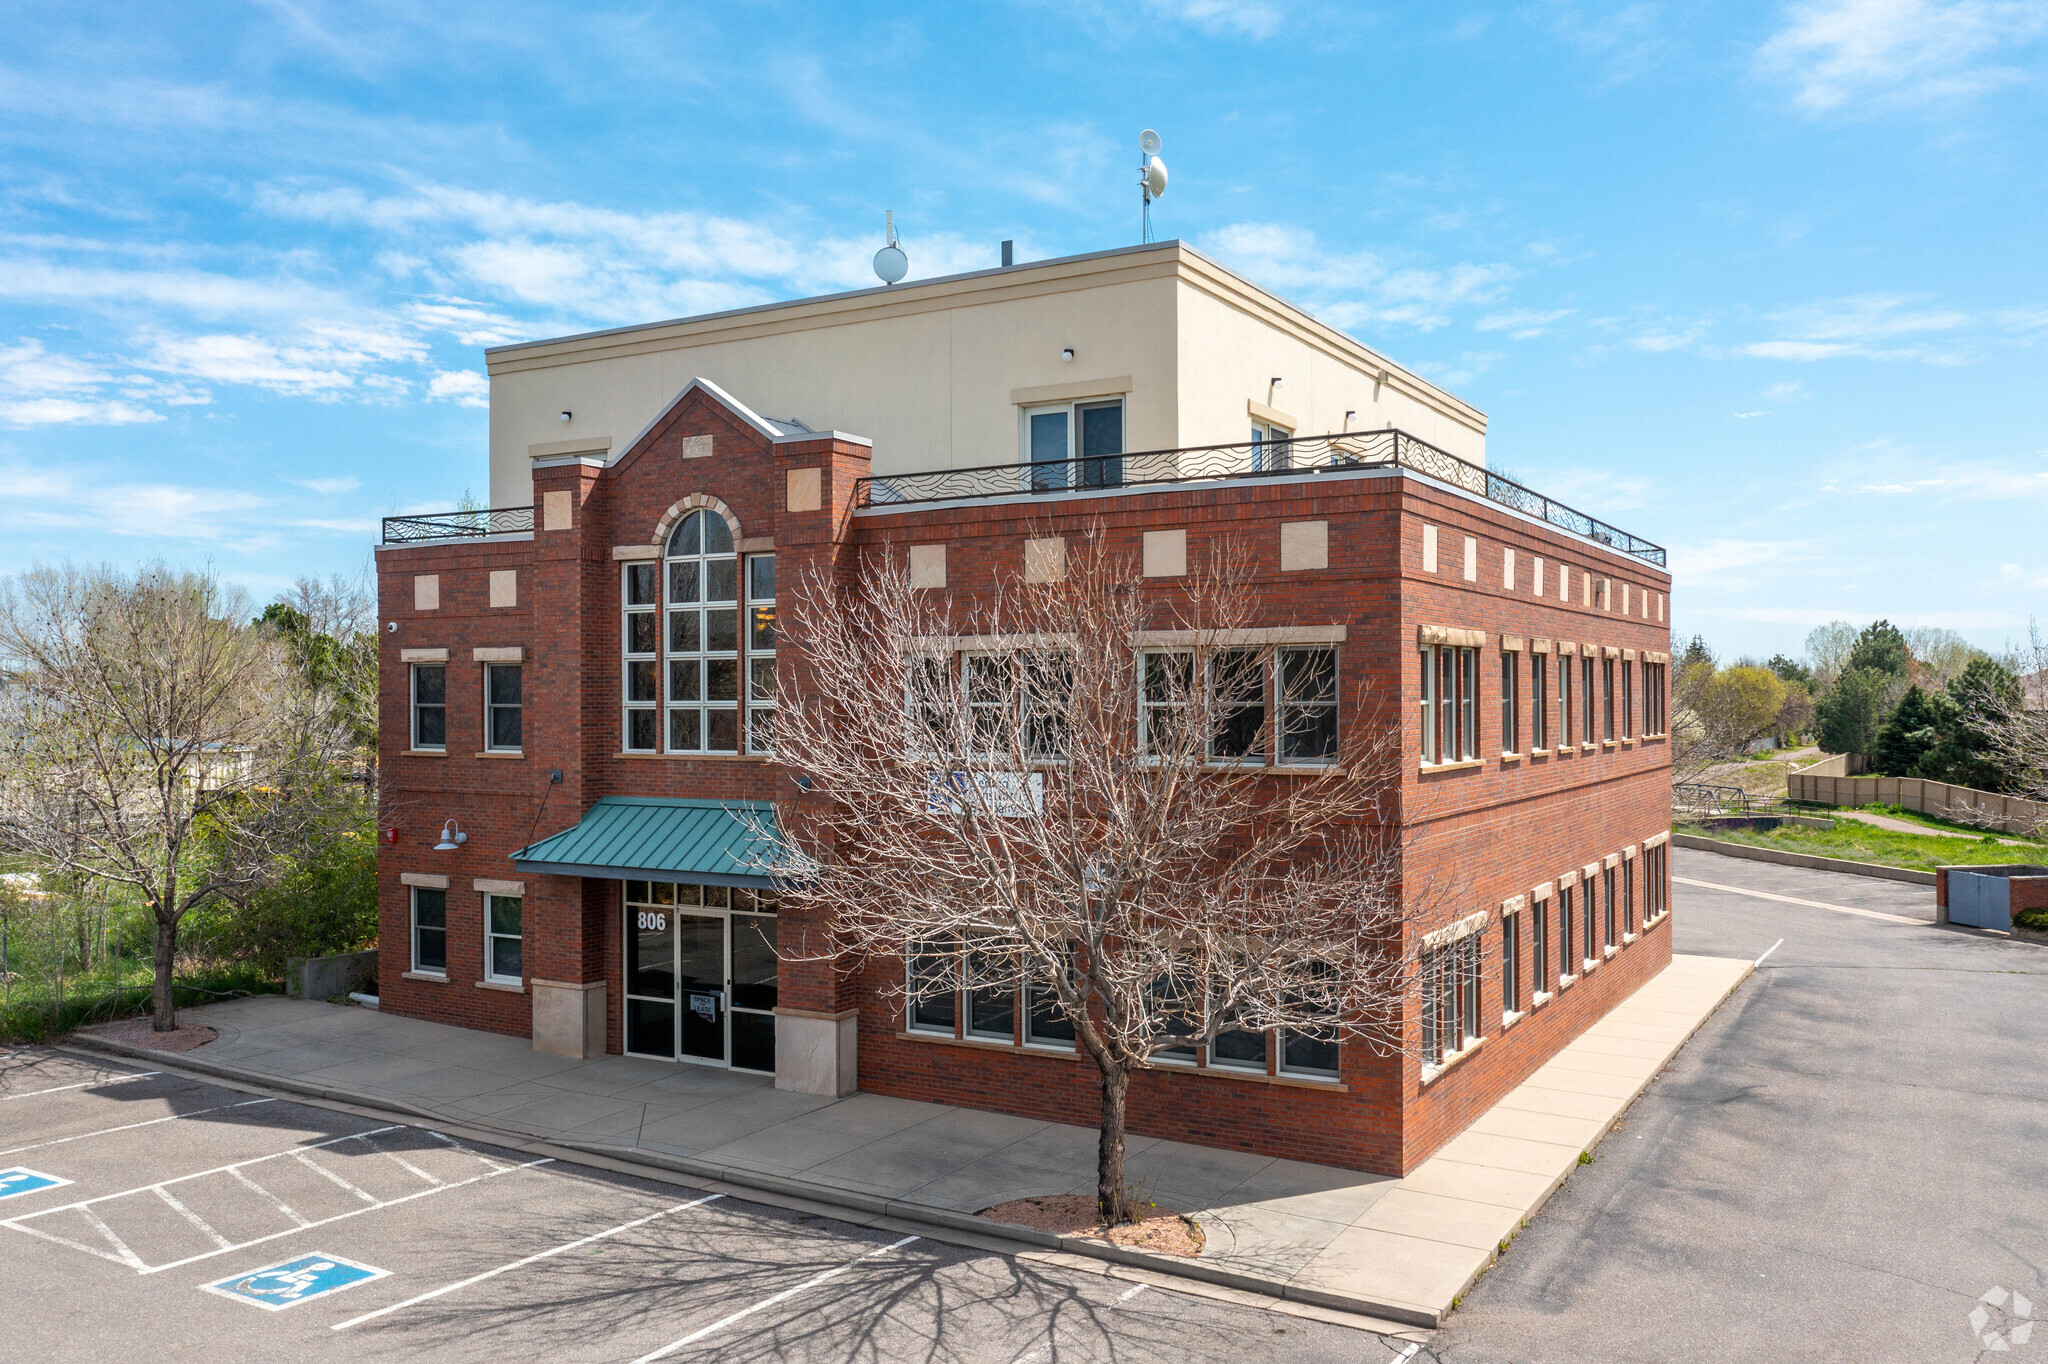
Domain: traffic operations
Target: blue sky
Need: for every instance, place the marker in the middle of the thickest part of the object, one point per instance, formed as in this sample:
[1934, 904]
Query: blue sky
[1765, 284]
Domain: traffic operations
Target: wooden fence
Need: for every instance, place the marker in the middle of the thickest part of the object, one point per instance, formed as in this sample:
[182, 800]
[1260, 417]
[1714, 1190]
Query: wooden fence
[1984, 809]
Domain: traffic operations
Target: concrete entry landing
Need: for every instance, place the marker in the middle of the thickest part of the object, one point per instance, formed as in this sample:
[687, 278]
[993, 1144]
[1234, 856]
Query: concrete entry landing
[1397, 1249]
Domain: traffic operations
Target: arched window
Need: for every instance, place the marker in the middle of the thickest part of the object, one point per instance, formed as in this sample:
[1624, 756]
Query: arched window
[703, 637]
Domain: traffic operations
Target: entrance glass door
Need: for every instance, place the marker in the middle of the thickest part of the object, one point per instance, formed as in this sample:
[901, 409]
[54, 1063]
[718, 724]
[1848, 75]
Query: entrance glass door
[700, 974]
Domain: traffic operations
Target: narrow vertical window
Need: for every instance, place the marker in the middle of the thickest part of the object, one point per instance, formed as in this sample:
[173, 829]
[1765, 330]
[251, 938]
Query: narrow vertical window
[1469, 985]
[1587, 701]
[1607, 699]
[991, 993]
[1628, 699]
[1565, 719]
[1449, 749]
[640, 644]
[504, 707]
[1539, 703]
[430, 931]
[1567, 961]
[1613, 919]
[761, 653]
[1628, 897]
[1272, 448]
[1308, 705]
[1510, 965]
[430, 707]
[1046, 682]
[1237, 698]
[703, 637]
[1539, 943]
[1510, 703]
[1587, 929]
[501, 939]
[1163, 697]
[1468, 697]
[1428, 695]
[1429, 972]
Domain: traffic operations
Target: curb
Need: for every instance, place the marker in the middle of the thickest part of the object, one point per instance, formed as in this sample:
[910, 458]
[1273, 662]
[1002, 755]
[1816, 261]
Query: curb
[1806, 860]
[868, 1206]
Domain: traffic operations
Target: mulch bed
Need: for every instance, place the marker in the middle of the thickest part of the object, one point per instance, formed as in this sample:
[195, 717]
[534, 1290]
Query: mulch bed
[1162, 1231]
[141, 1032]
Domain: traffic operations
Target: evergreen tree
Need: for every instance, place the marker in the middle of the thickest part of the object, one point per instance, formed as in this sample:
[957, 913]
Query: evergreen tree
[1963, 753]
[1852, 712]
[1913, 730]
[1791, 670]
[1696, 652]
[1881, 648]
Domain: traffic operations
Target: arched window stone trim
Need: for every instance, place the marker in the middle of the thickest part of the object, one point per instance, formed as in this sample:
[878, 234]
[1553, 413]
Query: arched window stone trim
[674, 515]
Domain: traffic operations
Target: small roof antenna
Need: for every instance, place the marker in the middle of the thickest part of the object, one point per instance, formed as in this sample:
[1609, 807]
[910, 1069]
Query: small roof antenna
[891, 264]
[1151, 174]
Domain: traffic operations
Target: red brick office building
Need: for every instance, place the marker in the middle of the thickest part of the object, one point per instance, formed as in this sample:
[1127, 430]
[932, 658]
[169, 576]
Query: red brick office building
[587, 684]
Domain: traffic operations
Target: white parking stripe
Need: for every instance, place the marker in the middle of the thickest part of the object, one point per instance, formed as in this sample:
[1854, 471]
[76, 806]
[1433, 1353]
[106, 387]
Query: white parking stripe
[302, 1158]
[128, 1257]
[88, 1084]
[201, 1174]
[768, 1302]
[275, 1201]
[519, 1264]
[194, 1218]
[343, 1217]
[1794, 900]
[408, 1166]
[130, 1127]
[1767, 951]
[1132, 1293]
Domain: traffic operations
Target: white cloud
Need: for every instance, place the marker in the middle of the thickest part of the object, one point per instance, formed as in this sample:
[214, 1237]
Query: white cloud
[1745, 416]
[1838, 53]
[40, 389]
[1871, 327]
[1658, 340]
[1353, 289]
[33, 498]
[1246, 18]
[328, 487]
[464, 386]
[1711, 562]
[1521, 324]
[2032, 578]
[1463, 370]
[1624, 40]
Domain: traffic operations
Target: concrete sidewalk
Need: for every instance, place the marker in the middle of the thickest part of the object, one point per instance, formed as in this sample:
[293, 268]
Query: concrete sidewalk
[1399, 1249]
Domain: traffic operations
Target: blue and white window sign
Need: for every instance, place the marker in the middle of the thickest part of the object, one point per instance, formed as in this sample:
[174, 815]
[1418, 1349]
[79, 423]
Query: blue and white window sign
[295, 1281]
[21, 1180]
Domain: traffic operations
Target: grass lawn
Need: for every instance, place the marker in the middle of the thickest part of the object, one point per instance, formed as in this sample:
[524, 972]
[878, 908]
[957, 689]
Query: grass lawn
[1861, 843]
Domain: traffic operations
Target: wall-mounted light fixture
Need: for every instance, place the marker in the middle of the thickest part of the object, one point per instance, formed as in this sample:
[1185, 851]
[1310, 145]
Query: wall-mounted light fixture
[452, 837]
[1348, 415]
[565, 414]
[1067, 356]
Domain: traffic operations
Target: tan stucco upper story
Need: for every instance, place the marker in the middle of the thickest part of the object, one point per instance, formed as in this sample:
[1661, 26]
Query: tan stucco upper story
[940, 373]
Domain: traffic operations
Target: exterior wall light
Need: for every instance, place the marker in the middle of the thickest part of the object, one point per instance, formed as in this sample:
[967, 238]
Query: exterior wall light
[1067, 356]
[565, 414]
[452, 838]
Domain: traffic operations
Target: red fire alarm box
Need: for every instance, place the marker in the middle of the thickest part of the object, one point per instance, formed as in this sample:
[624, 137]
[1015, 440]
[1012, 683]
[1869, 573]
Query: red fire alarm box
[391, 834]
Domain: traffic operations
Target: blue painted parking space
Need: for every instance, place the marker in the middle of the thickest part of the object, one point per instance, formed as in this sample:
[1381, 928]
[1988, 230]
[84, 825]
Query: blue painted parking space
[295, 1281]
[22, 1180]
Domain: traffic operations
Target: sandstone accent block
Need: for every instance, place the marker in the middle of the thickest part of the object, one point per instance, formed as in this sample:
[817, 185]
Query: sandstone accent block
[927, 564]
[1304, 546]
[426, 592]
[1045, 561]
[1166, 553]
[805, 490]
[504, 587]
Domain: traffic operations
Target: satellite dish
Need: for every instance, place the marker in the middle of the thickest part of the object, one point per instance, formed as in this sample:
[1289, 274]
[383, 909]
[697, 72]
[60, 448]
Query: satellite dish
[1148, 142]
[1155, 175]
[890, 262]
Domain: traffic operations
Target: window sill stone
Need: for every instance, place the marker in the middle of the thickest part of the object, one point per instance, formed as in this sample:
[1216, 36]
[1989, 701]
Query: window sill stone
[1462, 765]
[503, 986]
[1431, 1074]
[426, 752]
[1506, 758]
[433, 977]
[502, 753]
[702, 757]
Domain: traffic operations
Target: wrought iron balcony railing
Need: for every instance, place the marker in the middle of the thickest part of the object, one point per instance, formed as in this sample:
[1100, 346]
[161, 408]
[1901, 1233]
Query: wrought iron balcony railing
[457, 525]
[1257, 459]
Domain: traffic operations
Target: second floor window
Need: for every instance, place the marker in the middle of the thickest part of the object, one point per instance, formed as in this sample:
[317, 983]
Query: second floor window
[1075, 445]
[640, 642]
[1272, 447]
[1587, 701]
[430, 706]
[1607, 698]
[1510, 703]
[1450, 704]
[1539, 702]
[503, 707]
[702, 606]
[1565, 720]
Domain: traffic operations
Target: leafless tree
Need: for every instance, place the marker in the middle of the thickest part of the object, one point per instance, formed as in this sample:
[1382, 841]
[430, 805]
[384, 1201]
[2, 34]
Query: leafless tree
[155, 738]
[1062, 789]
[1717, 712]
[2015, 718]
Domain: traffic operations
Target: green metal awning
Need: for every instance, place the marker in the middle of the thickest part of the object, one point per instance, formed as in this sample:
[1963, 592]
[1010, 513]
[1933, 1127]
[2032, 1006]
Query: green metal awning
[718, 842]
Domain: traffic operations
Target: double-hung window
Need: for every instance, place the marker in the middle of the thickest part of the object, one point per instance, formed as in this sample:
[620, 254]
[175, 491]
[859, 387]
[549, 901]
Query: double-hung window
[1613, 920]
[504, 707]
[430, 707]
[1511, 964]
[1237, 697]
[1628, 896]
[429, 931]
[501, 939]
[1653, 698]
[1628, 699]
[1589, 911]
[1308, 705]
[1510, 702]
[703, 637]
[1567, 961]
[1565, 719]
[1539, 703]
[1450, 999]
[1539, 944]
[1588, 703]
[1450, 684]
[761, 653]
[1607, 698]
[1272, 448]
[1164, 694]
[640, 644]
[1075, 445]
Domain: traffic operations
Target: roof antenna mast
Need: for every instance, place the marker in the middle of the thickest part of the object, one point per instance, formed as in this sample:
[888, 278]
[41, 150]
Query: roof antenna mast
[1151, 174]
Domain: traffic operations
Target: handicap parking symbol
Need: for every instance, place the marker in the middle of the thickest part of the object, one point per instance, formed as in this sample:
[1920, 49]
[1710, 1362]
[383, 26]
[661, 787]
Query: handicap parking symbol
[295, 1281]
[21, 1180]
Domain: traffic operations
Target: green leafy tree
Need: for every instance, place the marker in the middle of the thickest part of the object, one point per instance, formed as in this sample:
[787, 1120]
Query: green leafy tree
[1791, 670]
[1882, 648]
[1850, 715]
[1912, 731]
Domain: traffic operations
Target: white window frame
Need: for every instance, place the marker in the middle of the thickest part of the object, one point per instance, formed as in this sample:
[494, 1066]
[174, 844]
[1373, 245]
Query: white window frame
[1072, 474]
[1265, 437]
[492, 706]
[1451, 704]
[760, 701]
[1511, 1006]
[704, 655]
[492, 937]
[1282, 706]
[1539, 702]
[628, 609]
[413, 917]
[1148, 707]
[1510, 702]
[413, 705]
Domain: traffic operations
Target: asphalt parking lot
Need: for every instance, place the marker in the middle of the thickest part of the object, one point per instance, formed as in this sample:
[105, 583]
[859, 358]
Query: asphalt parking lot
[1839, 1166]
[196, 1221]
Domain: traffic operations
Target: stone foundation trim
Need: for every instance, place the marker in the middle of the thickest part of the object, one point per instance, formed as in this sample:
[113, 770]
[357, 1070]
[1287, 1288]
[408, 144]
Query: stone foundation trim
[484, 885]
[422, 655]
[568, 1017]
[425, 880]
[511, 654]
[1068, 392]
[1450, 933]
[816, 1052]
[1448, 635]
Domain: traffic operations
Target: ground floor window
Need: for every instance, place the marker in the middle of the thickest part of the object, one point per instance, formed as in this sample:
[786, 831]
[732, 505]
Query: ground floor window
[1450, 999]
[1567, 964]
[1539, 943]
[700, 973]
[501, 939]
[430, 930]
[1613, 918]
[1511, 964]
